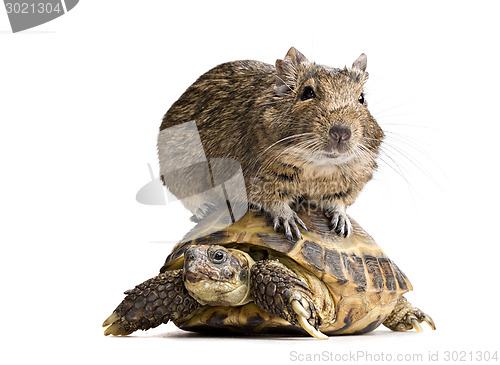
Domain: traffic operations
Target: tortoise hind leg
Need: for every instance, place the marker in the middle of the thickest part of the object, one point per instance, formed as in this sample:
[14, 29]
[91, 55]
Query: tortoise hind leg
[150, 304]
[277, 290]
[404, 317]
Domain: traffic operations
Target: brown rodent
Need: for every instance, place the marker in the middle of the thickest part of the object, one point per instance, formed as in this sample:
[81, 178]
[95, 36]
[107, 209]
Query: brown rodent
[301, 131]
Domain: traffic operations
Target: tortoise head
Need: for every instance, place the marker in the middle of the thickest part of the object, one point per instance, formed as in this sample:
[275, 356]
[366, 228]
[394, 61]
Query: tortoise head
[216, 275]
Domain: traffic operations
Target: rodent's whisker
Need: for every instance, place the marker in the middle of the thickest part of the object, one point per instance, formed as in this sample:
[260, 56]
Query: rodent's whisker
[301, 147]
[308, 147]
[273, 160]
[286, 138]
[378, 113]
[412, 125]
[379, 157]
[283, 82]
[410, 160]
[394, 166]
[414, 162]
[363, 153]
[357, 152]
[283, 130]
[410, 142]
[369, 139]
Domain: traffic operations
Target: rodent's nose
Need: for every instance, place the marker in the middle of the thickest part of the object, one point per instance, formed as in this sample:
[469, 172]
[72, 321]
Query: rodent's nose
[340, 134]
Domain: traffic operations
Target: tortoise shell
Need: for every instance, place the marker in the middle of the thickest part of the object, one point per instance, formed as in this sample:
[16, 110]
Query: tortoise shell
[363, 282]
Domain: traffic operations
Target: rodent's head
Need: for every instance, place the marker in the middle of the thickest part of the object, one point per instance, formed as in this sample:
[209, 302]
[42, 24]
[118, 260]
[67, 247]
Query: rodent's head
[326, 109]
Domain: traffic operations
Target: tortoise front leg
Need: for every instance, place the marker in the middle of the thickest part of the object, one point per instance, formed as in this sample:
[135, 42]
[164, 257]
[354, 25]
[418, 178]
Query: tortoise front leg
[155, 301]
[404, 317]
[278, 291]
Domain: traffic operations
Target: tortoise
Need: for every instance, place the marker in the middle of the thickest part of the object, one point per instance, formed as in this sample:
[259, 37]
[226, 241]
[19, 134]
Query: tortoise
[248, 278]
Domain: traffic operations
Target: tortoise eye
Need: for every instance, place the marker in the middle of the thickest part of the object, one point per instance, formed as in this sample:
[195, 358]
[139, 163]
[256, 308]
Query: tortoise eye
[308, 93]
[361, 98]
[219, 257]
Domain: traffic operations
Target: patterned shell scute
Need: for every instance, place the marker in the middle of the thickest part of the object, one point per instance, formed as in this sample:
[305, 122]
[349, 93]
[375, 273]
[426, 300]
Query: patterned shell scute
[334, 266]
[364, 268]
[356, 261]
[277, 243]
[313, 254]
[374, 271]
[356, 270]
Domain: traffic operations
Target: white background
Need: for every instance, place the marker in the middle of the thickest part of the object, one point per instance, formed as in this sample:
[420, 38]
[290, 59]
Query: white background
[81, 100]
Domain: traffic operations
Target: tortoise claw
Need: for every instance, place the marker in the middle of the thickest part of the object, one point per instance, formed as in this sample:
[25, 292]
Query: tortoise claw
[117, 329]
[429, 321]
[302, 318]
[151, 303]
[292, 300]
[111, 319]
[423, 317]
[416, 325]
[404, 317]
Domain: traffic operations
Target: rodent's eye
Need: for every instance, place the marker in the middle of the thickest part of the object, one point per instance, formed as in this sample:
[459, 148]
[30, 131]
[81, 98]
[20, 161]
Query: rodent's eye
[361, 98]
[308, 93]
[219, 257]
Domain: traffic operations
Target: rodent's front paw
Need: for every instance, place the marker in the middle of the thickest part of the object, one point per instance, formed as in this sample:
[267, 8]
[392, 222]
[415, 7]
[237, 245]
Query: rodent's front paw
[286, 216]
[339, 220]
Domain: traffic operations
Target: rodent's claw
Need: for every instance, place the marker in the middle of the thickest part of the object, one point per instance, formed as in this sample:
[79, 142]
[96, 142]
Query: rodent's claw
[340, 222]
[297, 231]
[289, 224]
[299, 221]
[288, 232]
[286, 226]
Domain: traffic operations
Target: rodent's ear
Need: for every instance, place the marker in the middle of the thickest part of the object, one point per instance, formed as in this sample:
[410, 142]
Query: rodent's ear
[286, 71]
[360, 62]
[295, 56]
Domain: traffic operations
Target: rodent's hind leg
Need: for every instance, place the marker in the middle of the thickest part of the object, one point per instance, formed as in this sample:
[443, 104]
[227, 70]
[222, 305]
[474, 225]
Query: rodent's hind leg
[282, 214]
[340, 222]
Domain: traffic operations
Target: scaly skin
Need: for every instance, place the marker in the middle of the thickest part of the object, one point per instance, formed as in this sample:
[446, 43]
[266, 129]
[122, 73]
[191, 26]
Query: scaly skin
[155, 301]
[278, 291]
[404, 317]
[273, 287]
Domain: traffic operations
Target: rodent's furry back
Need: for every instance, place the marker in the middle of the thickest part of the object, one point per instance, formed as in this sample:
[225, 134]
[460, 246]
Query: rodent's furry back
[285, 125]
